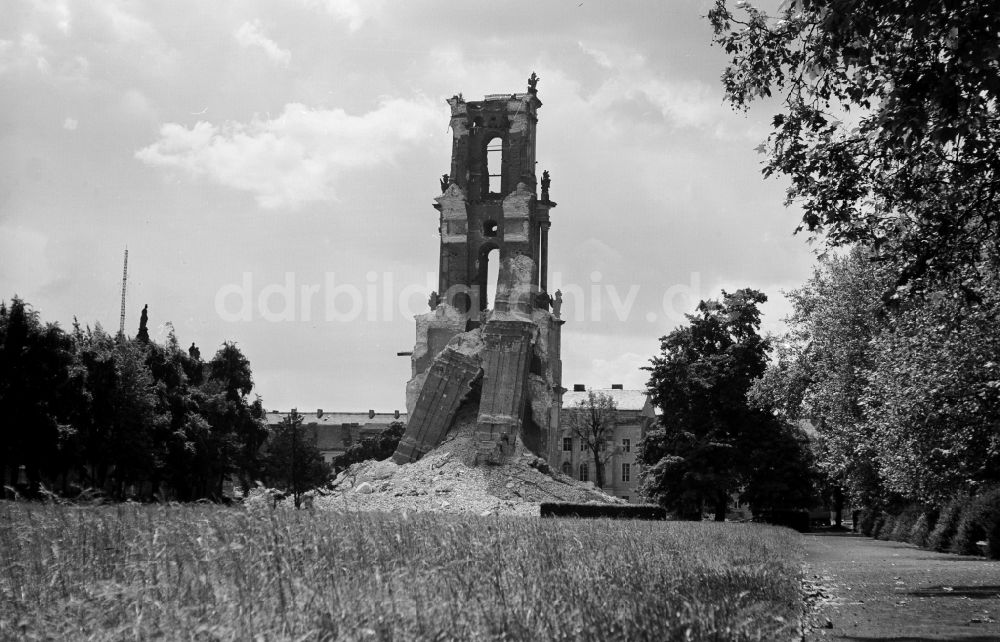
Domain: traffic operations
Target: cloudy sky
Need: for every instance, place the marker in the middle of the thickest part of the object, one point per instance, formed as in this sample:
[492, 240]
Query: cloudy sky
[271, 169]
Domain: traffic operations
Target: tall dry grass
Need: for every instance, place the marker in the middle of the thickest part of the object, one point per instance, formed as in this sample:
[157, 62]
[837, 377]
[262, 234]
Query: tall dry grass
[211, 573]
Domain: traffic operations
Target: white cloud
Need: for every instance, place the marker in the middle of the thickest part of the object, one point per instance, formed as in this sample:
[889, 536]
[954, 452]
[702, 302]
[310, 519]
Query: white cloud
[633, 78]
[70, 124]
[127, 26]
[350, 11]
[55, 11]
[34, 50]
[297, 157]
[600, 57]
[597, 360]
[624, 369]
[250, 34]
[6, 55]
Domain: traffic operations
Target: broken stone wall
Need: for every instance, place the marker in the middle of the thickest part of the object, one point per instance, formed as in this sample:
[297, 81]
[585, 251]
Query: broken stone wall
[511, 362]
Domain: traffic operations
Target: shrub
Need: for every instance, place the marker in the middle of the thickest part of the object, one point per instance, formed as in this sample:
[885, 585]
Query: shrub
[883, 526]
[866, 522]
[795, 519]
[613, 511]
[379, 447]
[904, 522]
[922, 528]
[991, 503]
[980, 521]
[944, 530]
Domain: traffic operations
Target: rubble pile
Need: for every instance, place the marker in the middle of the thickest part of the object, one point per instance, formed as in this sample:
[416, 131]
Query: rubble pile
[447, 480]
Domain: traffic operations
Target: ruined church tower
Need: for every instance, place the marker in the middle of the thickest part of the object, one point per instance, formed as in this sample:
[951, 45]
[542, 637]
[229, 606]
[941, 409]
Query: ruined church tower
[486, 361]
[489, 208]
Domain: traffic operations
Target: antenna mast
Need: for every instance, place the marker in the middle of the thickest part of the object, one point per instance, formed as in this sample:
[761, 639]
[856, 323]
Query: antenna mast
[121, 324]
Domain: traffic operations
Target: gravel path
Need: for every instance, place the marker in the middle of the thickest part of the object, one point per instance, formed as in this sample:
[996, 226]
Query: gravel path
[864, 589]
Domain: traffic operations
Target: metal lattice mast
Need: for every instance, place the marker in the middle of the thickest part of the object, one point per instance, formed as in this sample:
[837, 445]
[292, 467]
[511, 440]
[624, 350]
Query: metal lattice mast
[121, 323]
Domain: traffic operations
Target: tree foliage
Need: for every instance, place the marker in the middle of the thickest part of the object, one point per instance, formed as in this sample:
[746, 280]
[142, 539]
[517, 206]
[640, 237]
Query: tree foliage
[128, 417]
[711, 444]
[821, 370]
[379, 447]
[293, 463]
[37, 394]
[888, 129]
[906, 403]
[933, 398]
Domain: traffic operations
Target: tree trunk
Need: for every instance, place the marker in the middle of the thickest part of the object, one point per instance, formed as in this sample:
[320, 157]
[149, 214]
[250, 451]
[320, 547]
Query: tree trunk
[720, 508]
[838, 506]
[598, 469]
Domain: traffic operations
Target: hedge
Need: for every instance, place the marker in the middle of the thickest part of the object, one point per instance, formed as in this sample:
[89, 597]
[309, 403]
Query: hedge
[947, 523]
[612, 511]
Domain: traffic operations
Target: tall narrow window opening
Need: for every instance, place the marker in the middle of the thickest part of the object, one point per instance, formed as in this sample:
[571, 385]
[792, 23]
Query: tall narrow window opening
[492, 276]
[494, 165]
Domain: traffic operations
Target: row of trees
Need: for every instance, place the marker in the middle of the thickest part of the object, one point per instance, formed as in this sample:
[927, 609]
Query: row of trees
[906, 401]
[126, 417]
[889, 134]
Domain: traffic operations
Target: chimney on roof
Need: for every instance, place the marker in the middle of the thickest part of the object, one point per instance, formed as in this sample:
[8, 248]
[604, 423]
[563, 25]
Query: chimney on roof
[319, 413]
[579, 387]
[617, 386]
[395, 413]
[371, 414]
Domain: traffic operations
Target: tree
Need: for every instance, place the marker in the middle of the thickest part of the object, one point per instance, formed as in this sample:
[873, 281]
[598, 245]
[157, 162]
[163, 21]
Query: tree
[593, 421]
[293, 463]
[932, 403]
[235, 426]
[119, 418]
[822, 368]
[699, 381]
[128, 417]
[36, 396]
[889, 128]
[379, 447]
[906, 403]
[781, 474]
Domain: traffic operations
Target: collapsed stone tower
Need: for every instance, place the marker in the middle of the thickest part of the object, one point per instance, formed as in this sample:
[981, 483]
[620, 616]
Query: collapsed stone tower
[505, 360]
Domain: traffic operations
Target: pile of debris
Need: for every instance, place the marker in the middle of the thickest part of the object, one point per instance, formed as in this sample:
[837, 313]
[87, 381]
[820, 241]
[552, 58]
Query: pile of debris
[447, 479]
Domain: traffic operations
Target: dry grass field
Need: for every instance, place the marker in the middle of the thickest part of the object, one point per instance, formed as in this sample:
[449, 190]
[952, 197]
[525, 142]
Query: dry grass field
[210, 573]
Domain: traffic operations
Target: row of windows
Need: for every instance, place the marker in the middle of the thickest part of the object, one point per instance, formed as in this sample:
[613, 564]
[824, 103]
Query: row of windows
[567, 469]
[568, 445]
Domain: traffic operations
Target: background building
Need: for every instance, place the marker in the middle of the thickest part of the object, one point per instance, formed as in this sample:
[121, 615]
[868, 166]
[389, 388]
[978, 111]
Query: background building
[335, 432]
[634, 416]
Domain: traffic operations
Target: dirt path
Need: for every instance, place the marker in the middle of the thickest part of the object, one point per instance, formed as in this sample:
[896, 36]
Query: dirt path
[871, 590]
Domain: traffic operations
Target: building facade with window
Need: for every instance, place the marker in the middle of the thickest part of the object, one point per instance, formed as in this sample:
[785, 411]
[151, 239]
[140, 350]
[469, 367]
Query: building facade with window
[335, 432]
[633, 417]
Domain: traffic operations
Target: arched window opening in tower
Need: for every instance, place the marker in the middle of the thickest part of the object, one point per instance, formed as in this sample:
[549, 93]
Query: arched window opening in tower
[494, 164]
[490, 228]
